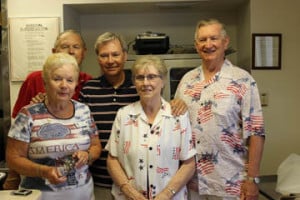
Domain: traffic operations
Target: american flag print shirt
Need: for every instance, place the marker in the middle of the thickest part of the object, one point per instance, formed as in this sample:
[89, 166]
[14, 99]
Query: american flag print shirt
[150, 155]
[52, 141]
[224, 112]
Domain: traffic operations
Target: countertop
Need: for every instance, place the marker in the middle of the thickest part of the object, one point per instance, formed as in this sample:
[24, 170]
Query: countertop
[7, 195]
[267, 188]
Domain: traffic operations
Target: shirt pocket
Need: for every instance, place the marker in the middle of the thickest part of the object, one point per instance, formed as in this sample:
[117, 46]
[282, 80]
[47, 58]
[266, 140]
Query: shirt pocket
[225, 107]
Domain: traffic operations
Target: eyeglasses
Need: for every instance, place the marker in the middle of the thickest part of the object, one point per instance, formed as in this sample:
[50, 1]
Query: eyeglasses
[149, 77]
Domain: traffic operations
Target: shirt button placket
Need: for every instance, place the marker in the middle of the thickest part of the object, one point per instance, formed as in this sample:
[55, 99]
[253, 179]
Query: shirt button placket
[114, 97]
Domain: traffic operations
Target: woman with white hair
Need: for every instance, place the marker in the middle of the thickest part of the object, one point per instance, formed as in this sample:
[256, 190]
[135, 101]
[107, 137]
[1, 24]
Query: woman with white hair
[52, 143]
[151, 152]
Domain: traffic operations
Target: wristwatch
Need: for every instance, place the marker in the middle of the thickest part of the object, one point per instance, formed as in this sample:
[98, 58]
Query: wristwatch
[255, 180]
[172, 191]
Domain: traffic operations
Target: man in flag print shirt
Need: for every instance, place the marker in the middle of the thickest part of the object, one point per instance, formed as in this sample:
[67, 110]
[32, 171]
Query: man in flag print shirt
[226, 118]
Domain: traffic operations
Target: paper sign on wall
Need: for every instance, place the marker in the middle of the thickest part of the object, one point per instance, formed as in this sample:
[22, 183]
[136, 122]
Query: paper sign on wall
[31, 41]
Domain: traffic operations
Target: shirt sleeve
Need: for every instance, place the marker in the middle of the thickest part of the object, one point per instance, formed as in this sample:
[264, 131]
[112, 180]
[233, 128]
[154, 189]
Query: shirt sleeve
[93, 127]
[253, 123]
[19, 130]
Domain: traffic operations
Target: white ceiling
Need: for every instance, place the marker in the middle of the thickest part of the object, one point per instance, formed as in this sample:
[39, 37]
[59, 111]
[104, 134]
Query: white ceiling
[142, 7]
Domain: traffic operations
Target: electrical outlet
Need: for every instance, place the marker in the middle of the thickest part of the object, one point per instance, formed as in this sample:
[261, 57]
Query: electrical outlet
[264, 99]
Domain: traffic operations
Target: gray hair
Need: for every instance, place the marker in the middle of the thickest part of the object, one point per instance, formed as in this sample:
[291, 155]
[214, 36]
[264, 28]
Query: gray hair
[58, 38]
[56, 61]
[203, 23]
[147, 60]
[107, 37]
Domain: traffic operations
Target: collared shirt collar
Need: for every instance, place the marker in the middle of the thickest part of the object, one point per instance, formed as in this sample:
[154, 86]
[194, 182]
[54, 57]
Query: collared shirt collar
[165, 109]
[127, 82]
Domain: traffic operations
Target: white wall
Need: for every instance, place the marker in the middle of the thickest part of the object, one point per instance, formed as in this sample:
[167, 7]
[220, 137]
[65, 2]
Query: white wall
[282, 86]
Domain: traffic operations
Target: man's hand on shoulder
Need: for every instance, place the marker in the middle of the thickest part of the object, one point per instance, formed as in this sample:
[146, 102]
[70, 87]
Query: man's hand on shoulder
[178, 107]
[40, 97]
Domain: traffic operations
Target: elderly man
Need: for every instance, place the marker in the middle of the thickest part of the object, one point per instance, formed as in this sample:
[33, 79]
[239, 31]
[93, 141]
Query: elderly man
[227, 121]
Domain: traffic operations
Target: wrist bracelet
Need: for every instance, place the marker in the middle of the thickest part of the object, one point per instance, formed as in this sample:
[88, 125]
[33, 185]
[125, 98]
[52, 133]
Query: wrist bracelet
[123, 184]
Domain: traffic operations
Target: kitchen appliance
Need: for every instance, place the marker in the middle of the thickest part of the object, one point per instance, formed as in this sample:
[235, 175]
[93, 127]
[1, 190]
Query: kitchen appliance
[151, 43]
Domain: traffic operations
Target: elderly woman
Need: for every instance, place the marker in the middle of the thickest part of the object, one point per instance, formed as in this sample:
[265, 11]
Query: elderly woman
[151, 152]
[51, 143]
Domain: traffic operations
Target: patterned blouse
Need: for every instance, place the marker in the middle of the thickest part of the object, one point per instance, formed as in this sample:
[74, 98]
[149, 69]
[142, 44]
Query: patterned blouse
[150, 155]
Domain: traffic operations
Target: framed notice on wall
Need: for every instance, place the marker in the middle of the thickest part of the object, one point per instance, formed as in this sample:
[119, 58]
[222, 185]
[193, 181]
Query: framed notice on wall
[31, 41]
[266, 51]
